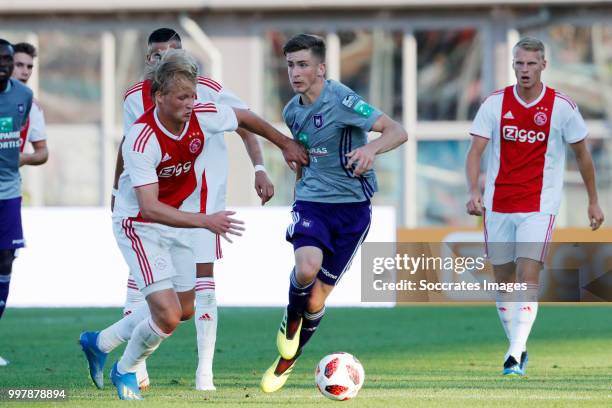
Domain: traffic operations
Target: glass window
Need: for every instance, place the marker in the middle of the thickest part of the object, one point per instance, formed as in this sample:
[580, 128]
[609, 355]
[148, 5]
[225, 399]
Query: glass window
[70, 77]
[575, 195]
[448, 74]
[130, 50]
[390, 176]
[580, 64]
[277, 91]
[371, 65]
[441, 186]
[280, 174]
[72, 174]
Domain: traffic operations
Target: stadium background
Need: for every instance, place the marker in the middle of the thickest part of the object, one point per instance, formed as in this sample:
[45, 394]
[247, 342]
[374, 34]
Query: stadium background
[428, 66]
[426, 63]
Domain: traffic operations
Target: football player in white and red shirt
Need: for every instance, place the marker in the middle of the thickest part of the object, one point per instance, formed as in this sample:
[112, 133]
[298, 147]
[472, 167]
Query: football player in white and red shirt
[34, 131]
[528, 125]
[156, 212]
[214, 169]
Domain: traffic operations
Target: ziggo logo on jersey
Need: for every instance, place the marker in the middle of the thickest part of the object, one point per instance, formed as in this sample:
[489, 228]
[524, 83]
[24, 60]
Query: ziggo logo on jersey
[175, 170]
[514, 134]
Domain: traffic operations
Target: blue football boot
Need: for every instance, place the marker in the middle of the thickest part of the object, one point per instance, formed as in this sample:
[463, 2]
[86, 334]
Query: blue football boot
[524, 361]
[95, 357]
[126, 384]
[512, 367]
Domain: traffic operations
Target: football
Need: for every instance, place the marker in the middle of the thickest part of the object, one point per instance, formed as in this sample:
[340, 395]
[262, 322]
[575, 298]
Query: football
[339, 376]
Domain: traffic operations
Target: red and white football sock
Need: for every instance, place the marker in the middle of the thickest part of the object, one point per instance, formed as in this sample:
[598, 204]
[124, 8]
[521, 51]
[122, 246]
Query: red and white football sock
[505, 302]
[133, 297]
[524, 316]
[121, 331]
[146, 338]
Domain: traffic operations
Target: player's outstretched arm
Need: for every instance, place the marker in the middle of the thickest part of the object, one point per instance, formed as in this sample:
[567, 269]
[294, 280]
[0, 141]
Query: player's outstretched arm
[392, 136]
[40, 155]
[263, 184]
[154, 210]
[293, 152]
[587, 171]
[472, 172]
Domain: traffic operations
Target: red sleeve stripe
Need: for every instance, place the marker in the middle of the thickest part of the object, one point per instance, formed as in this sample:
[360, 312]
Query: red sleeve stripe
[566, 99]
[210, 80]
[131, 91]
[482, 137]
[209, 83]
[498, 92]
[138, 85]
[142, 139]
[205, 107]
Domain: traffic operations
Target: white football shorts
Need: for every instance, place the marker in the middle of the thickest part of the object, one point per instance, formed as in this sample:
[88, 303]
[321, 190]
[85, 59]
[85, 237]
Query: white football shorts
[159, 257]
[206, 246]
[509, 236]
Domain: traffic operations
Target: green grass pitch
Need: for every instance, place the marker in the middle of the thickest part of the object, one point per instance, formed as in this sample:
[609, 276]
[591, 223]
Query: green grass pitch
[414, 356]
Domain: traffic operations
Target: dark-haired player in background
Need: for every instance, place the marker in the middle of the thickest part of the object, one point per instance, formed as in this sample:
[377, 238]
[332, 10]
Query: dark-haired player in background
[207, 246]
[34, 130]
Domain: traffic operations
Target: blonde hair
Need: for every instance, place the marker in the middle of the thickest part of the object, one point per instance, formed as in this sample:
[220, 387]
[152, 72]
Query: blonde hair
[529, 44]
[174, 65]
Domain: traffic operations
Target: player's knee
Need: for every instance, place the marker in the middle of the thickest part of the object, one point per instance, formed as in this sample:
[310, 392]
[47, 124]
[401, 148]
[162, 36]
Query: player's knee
[528, 270]
[168, 319]
[307, 269]
[169, 323]
[7, 256]
[505, 272]
[187, 313]
[315, 304]
[204, 270]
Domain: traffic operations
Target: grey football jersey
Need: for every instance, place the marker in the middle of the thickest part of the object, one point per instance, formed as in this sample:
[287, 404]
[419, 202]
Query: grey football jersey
[15, 104]
[335, 124]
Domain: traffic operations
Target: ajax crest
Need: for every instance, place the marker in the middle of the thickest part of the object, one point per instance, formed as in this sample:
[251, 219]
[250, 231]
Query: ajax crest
[195, 145]
[540, 118]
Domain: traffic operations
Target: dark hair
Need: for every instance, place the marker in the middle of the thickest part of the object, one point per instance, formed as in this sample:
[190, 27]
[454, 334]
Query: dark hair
[25, 48]
[4, 42]
[306, 42]
[163, 35]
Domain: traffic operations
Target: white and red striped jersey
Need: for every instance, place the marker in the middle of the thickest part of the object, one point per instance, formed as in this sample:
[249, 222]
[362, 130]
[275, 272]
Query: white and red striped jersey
[214, 166]
[526, 159]
[34, 129]
[154, 155]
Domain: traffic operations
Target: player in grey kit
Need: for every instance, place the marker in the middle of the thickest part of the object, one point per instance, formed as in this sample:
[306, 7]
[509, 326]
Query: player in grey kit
[332, 211]
[15, 105]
